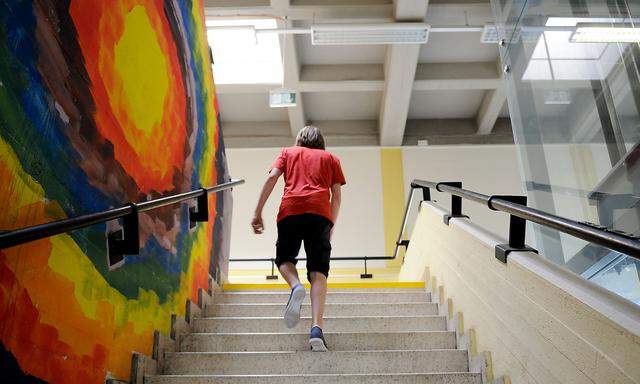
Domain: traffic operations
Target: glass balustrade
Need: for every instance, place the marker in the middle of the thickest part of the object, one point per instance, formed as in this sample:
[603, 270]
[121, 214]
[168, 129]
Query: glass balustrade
[573, 88]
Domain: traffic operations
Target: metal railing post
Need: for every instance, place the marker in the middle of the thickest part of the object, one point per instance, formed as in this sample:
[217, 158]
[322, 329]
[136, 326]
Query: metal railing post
[366, 275]
[199, 213]
[272, 276]
[400, 242]
[456, 201]
[517, 229]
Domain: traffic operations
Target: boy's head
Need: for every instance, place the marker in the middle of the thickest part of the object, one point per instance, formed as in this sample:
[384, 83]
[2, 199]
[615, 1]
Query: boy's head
[310, 137]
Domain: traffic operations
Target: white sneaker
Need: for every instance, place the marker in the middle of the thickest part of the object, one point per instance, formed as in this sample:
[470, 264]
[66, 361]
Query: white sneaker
[292, 310]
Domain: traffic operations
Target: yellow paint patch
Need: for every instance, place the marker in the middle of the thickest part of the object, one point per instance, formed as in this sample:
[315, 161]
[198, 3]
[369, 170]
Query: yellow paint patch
[91, 291]
[393, 199]
[142, 66]
[16, 186]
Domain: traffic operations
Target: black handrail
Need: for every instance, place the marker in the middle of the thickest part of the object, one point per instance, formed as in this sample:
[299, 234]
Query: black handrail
[40, 231]
[614, 240]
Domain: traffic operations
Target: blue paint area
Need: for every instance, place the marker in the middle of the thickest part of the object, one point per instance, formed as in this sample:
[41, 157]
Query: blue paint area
[55, 163]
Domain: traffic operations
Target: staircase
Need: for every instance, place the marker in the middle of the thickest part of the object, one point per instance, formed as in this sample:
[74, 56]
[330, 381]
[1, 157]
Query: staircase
[374, 336]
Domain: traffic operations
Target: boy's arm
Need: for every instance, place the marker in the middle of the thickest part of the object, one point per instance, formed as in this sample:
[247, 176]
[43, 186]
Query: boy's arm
[336, 197]
[272, 179]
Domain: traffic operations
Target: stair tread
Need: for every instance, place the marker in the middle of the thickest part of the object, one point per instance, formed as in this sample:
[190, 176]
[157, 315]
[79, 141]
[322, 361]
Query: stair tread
[327, 304]
[327, 374]
[325, 317]
[307, 333]
[299, 340]
[336, 362]
[381, 378]
[314, 353]
[329, 292]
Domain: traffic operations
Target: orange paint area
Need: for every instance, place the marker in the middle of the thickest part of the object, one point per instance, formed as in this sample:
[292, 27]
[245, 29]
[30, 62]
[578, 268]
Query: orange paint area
[126, 43]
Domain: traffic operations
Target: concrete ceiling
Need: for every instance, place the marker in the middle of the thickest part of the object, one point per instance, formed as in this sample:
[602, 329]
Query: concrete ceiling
[449, 90]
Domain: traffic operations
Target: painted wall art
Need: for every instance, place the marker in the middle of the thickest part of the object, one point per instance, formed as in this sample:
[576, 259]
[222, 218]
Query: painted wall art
[102, 102]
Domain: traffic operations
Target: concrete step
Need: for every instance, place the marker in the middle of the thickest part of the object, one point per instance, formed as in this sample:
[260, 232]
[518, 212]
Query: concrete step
[331, 289]
[332, 297]
[419, 378]
[333, 362]
[331, 324]
[339, 341]
[343, 309]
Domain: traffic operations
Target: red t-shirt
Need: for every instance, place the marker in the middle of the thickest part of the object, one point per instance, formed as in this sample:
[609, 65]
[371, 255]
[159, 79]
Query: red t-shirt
[308, 177]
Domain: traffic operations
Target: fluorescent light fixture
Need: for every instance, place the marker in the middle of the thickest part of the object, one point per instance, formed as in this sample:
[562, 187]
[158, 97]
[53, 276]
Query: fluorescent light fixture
[362, 34]
[605, 35]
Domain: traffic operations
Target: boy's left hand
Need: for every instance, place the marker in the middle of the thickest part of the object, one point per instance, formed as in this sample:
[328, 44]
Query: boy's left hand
[257, 224]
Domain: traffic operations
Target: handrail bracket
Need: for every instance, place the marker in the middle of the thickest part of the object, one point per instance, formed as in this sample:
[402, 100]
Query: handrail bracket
[124, 241]
[517, 229]
[456, 202]
[199, 213]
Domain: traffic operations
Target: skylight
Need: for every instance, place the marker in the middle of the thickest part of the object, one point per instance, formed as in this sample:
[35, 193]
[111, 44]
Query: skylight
[242, 57]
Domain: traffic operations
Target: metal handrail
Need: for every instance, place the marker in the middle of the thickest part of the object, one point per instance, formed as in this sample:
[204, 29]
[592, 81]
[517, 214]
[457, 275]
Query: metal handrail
[40, 231]
[620, 242]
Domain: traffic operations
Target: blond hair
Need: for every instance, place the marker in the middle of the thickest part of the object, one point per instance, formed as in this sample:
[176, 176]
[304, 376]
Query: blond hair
[310, 137]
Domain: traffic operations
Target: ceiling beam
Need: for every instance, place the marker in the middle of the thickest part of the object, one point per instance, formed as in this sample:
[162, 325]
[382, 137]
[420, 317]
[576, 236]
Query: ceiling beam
[400, 70]
[370, 78]
[490, 108]
[276, 133]
[365, 133]
[291, 68]
[440, 13]
[366, 13]
[492, 103]
[449, 13]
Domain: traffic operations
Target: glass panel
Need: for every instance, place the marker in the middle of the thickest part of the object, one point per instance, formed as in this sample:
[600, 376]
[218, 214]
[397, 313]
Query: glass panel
[573, 88]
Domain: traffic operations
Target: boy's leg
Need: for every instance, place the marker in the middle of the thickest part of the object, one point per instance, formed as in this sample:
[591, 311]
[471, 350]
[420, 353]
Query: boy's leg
[317, 244]
[287, 247]
[318, 297]
[290, 273]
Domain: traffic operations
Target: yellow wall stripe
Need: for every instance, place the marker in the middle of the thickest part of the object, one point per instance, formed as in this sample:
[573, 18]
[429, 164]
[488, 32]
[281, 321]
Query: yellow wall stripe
[393, 198]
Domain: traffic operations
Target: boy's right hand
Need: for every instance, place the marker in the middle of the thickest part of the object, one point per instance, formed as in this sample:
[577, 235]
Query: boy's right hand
[257, 224]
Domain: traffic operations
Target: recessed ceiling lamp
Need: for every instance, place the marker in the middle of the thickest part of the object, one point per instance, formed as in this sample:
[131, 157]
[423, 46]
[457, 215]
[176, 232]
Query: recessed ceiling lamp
[359, 34]
[605, 34]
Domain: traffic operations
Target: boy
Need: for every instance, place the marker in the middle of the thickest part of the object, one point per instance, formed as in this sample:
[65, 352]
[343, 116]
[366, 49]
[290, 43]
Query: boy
[309, 208]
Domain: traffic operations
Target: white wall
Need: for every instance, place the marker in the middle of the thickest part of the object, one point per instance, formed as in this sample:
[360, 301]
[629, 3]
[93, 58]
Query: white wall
[360, 227]
[488, 169]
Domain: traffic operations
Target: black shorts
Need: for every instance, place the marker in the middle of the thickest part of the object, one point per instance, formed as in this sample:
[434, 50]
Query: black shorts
[315, 230]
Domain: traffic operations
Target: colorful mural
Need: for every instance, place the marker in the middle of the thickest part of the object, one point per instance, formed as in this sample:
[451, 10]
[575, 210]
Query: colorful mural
[102, 102]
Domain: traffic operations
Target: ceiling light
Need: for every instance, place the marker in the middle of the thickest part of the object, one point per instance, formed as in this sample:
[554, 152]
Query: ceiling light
[359, 34]
[605, 35]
